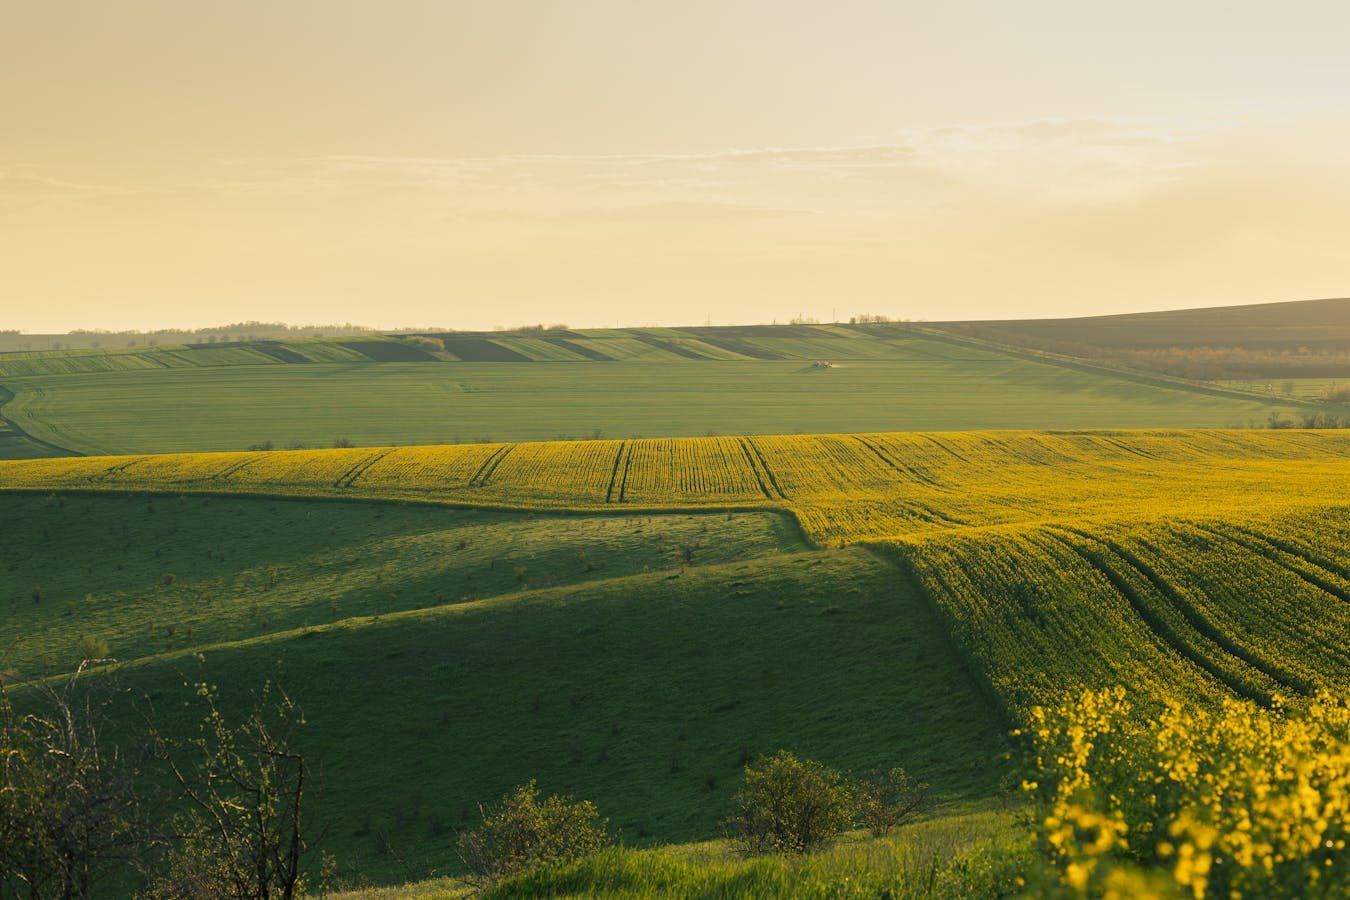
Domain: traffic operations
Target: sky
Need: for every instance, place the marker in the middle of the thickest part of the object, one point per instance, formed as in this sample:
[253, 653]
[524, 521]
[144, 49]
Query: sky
[627, 162]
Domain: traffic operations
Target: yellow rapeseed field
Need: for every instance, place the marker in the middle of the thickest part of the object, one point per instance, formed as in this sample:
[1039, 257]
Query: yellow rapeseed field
[843, 488]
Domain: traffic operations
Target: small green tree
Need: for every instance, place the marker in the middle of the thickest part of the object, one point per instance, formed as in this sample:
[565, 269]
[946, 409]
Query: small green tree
[92, 649]
[244, 787]
[523, 832]
[790, 805]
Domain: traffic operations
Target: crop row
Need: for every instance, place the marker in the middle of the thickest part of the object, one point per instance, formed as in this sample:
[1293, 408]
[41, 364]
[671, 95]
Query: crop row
[1176, 609]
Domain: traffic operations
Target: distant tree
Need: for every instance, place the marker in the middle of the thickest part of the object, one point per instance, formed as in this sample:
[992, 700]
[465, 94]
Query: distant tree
[340, 442]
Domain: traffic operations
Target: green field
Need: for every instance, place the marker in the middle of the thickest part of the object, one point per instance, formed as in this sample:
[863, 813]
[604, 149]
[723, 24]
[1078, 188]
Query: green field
[924, 385]
[488, 648]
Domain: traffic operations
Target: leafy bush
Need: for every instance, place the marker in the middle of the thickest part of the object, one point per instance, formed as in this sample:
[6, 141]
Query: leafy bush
[69, 814]
[92, 648]
[1234, 800]
[522, 833]
[790, 805]
[887, 799]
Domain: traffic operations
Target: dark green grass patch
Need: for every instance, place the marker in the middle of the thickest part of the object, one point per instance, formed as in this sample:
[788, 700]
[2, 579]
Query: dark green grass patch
[389, 351]
[150, 574]
[474, 349]
[646, 694]
[585, 352]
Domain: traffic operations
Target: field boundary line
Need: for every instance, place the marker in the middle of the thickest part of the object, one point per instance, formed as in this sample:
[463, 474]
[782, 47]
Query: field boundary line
[896, 554]
[463, 607]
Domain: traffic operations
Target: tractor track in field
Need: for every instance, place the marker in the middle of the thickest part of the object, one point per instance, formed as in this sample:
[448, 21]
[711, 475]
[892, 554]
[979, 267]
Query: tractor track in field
[1188, 649]
[757, 463]
[111, 471]
[348, 478]
[1269, 550]
[226, 472]
[773, 479]
[614, 472]
[484, 473]
[913, 472]
[627, 463]
[1196, 618]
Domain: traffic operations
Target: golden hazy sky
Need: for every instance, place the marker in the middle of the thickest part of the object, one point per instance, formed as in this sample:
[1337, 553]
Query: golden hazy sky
[602, 162]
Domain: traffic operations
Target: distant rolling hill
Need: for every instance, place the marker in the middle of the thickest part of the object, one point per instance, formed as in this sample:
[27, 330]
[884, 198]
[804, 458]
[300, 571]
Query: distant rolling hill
[1299, 339]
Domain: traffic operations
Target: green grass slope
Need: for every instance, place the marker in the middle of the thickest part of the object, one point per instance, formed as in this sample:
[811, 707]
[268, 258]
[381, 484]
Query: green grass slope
[147, 575]
[645, 692]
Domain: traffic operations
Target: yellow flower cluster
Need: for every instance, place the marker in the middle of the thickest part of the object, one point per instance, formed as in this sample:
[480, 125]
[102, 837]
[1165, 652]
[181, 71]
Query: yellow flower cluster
[1233, 800]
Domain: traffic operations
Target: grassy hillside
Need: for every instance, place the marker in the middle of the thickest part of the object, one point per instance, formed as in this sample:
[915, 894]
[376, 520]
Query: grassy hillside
[616, 384]
[154, 574]
[645, 692]
[1303, 339]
